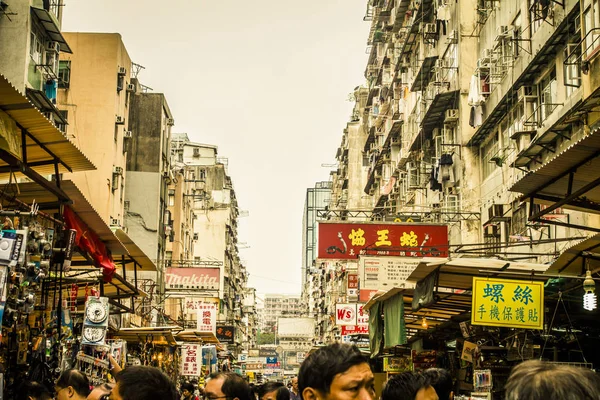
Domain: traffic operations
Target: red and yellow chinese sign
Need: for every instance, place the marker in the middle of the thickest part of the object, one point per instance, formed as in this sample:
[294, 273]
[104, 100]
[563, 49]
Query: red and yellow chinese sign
[349, 240]
[508, 303]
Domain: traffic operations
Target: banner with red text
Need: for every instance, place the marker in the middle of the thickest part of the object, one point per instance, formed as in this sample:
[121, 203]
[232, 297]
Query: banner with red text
[191, 359]
[338, 240]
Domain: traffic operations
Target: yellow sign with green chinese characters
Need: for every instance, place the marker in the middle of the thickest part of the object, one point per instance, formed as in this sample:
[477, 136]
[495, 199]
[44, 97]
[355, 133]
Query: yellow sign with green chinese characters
[508, 303]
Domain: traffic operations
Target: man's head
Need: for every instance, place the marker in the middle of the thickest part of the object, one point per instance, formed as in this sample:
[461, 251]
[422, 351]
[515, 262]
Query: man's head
[100, 390]
[537, 380]
[408, 386]
[143, 383]
[32, 391]
[336, 372]
[441, 380]
[187, 390]
[72, 384]
[294, 384]
[227, 385]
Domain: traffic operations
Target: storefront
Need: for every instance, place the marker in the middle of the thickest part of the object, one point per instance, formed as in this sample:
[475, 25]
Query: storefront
[55, 253]
[520, 312]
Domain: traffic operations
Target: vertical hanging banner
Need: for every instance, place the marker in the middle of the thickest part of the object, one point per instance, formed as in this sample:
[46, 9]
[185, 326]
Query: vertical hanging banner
[508, 303]
[191, 359]
[207, 318]
[352, 284]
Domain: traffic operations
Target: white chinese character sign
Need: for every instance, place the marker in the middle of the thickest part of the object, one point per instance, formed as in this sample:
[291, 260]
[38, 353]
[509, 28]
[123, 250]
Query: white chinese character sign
[191, 360]
[207, 318]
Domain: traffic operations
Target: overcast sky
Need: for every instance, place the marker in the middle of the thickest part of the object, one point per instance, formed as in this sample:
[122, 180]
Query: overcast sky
[267, 81]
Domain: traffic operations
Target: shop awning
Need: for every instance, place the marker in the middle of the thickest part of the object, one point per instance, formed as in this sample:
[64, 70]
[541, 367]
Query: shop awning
[164, 336]
[45, 144]
[424, 75]
[134, 251]
[51, 27]
[457, 274]
[576, 259]
[196, 336]
[571, 179]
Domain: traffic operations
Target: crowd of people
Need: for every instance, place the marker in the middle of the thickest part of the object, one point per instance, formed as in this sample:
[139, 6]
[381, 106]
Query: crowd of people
[334, 372]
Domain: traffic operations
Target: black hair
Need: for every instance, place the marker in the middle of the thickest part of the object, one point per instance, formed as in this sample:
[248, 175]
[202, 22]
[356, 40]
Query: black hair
[318, 369]
[441, 380]
[281, 390]
[145, 383]
[76, 379]
[34, 390]
[537, 380]
[233, 385]
[403, 386]
[187, 386]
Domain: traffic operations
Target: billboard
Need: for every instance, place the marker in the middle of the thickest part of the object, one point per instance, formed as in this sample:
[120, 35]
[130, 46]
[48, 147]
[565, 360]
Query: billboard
[225, 333]
[350, 314]
[192, 278]
[207, 318]
[191, 359]
[296, 327]
[349, 240]
[384, 273]
[507, 303]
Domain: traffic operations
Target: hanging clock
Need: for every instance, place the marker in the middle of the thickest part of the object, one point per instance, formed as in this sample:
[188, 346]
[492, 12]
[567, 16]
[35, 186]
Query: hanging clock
[93, 334]
[96, 312]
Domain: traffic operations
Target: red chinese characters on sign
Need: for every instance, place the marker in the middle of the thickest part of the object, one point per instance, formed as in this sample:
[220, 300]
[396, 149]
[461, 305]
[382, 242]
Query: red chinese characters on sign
[207, 318]
[349, 240]
[191, 364]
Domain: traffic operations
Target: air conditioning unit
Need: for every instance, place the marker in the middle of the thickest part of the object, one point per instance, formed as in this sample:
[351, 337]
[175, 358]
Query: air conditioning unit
[170, 121]
[119, 120]
[196, 152]
[505, 30]
[131, 87]
[496, 211]
[527, 93]
[115, 222]
[451, 115]
[428, 29]
[122, 71]
[488, 54]
[195, 236]
[117, 170]
[127, 134]
[53, 46]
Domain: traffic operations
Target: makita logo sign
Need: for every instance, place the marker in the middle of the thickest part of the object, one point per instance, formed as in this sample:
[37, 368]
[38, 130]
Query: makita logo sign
[192, 278]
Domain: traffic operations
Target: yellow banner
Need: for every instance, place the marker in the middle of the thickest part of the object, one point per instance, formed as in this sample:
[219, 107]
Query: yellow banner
[508, 303]
[10, 135]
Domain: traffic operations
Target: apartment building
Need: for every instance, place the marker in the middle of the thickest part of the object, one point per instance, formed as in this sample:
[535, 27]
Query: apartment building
[93, 92]
[31, 41]
[280, 305]
[148, 175]
[464, 102]
[214, 232]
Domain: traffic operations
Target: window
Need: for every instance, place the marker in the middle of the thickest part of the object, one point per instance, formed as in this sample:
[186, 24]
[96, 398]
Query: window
[547, 88]
[120, 82]
[535, 15]
[488, 153]
[36, 48]
[572, 68]
[64, 74]
[171, 197]
[202, 174]
[592, 27]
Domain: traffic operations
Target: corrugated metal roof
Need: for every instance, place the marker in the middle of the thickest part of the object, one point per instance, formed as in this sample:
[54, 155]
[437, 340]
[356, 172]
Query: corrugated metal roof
[40, 129]
[571, 261]
[552, 178]
[135, 252]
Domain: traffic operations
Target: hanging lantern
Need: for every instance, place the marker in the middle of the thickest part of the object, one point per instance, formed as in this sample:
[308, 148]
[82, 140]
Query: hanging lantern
[424, 323]
[589, 287]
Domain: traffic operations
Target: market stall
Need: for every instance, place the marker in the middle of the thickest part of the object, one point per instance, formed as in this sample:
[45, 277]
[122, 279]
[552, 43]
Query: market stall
[56, 255]
[431, 325]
